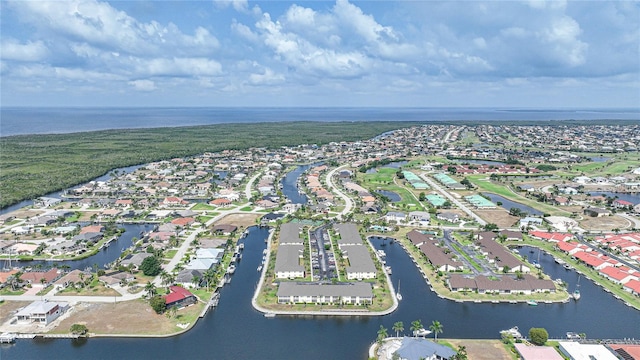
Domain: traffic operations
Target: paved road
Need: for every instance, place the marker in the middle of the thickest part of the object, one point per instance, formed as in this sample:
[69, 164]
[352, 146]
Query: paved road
[455, 201]
[347, 200]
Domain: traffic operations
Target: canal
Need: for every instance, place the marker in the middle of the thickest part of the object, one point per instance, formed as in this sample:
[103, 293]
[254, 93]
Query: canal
[508, 204]
[105, 256]
[225, 332]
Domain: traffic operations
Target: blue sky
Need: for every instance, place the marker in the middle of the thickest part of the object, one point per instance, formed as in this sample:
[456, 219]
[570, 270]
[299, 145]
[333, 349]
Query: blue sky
[532, 54]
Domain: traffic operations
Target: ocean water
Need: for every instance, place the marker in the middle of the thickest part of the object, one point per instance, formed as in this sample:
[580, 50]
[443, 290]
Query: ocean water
[23, 120]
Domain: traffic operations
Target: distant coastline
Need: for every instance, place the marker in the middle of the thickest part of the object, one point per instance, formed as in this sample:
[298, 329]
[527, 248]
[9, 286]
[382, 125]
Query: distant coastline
[56, 120]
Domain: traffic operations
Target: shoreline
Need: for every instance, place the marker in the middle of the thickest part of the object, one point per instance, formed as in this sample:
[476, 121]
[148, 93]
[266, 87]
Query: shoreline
[328, 312]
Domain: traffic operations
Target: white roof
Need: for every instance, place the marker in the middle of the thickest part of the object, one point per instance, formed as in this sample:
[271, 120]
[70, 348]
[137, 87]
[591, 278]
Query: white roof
[579, 351]
[40, 307]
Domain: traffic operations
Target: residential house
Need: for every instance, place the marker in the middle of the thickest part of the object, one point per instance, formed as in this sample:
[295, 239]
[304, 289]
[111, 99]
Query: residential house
[179, 297]
[41, 312]
[418, 348]
[596, 212]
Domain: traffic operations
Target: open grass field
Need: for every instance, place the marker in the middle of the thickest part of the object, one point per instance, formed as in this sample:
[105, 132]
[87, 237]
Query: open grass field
[484, 184]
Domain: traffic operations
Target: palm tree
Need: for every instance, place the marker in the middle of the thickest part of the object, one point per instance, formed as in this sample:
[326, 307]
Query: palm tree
[415, 326]
[398, 327]
[150, 288]
[437, 328]
[382, 334]
[210, 277]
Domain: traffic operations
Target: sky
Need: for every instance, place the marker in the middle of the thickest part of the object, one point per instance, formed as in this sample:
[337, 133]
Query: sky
[529, 54]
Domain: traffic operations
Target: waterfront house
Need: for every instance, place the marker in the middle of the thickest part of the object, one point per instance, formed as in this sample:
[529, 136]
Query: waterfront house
[529, 352]
[71, 279]
[418, 348]
[448, 216]
[622, 204]
[179, 297]
[577, 351]
[358, 293]
[41, 278]
[224, 229]
[189, 278]
[41, 312]
[135, 260]
[632, 286]
[220, 202]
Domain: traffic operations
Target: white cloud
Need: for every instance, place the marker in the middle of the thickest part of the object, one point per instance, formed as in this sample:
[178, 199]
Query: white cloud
[238, 5]
[143, 85]
[102, 26]
[177, 67]
[11, 49]
[267, 77]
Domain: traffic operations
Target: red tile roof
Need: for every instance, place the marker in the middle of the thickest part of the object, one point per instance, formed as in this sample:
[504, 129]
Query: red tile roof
[177, 293]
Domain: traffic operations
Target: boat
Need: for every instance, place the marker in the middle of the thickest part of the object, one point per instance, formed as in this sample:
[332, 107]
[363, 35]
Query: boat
[421, 332]
[388, 270]
[260, 268]
[269, 315]
[398, 295]
[532, 302]
[231, 269]
[566, 266]
[514, 331]
[576, 292]
[560, 261]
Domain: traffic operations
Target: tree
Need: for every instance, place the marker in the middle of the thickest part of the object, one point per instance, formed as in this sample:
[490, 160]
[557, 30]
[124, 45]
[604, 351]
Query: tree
[150, 288]
[491, 227]
[158, 304]
[78, 329]
[398, 327]
[382, 334]
[150, 266]
[415, 326]
[437, 328]
[461, 354]
[538, 336]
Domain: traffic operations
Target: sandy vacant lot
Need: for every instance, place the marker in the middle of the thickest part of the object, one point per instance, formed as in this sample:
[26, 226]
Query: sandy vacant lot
[130, 317]
[498, 217]
[483, 349]
[605, 223]
[240, 220]
[9, 308]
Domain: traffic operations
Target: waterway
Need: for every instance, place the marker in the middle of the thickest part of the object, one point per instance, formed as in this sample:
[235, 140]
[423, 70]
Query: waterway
[392, 196]
[109, 254]
[225, 332]
[58, 194]
[479, 162]
[290, 185]
[508, 204]
[633, 198]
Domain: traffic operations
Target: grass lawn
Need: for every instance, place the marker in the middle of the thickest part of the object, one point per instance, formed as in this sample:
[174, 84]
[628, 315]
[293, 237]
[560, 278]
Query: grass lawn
[383, 175]
[481, 182]
[203, 206]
